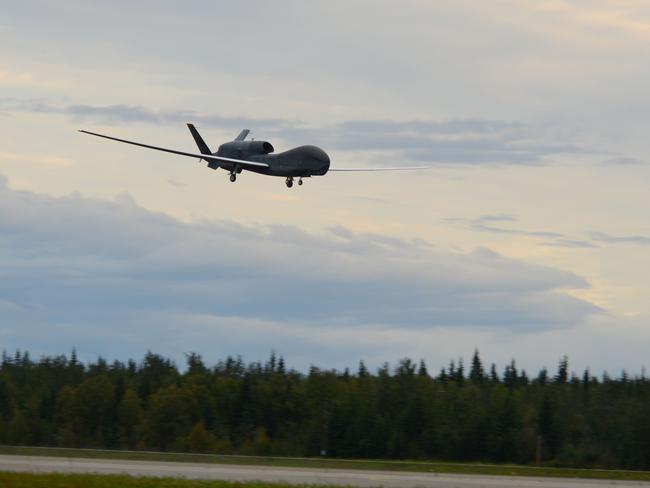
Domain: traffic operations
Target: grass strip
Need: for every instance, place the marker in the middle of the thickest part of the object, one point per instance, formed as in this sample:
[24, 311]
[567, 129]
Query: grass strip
[31, 480]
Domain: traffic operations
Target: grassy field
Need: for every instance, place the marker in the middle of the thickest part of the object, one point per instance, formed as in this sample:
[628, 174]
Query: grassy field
[414, 466]
[29, 480]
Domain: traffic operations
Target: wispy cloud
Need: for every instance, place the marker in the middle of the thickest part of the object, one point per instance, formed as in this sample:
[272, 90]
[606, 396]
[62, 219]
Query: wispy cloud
[627, 239]
[463, 141]
[127, 114]
[485, 223]
[571, 243]
[176, 184]
[624, 161]
[37, 159]
[497, 218]
[15, 78]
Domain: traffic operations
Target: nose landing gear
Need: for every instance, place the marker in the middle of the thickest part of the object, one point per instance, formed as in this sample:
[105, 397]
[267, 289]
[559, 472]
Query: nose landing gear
[233, 177]
[300, 181]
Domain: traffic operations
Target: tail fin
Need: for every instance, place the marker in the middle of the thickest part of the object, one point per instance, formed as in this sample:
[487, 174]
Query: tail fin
[203, 147]
[242, 135]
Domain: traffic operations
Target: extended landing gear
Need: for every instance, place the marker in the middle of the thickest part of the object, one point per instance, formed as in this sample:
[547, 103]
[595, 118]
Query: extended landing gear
[234, 171]
[289, 181]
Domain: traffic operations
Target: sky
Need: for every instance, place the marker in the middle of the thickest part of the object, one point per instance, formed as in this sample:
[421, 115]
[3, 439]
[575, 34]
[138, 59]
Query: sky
[529, 237]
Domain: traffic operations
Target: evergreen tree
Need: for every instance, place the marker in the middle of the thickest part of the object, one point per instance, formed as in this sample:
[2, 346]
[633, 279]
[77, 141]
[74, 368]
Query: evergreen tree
[494, 376]
[452, 370]
[270, 366]
[562, 371]
[443, 377]
[523, 378]
[460, 372]
[363, 371]
[406, 367]
[476, 374]
[422, 370]
[195, 364]
[129, 418]
[510, 375]
[281, 366]
[73, 357]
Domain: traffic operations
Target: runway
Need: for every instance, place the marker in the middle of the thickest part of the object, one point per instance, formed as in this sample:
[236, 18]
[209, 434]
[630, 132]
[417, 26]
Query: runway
[363, 478]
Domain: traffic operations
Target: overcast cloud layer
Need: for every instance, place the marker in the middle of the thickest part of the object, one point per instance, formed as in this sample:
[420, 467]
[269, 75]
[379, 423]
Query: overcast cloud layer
[528, 238]
[109, 277]
[74, 260]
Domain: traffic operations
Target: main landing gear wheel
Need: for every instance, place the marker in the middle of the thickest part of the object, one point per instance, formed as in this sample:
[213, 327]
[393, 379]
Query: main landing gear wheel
[233, 177]
[289, 182]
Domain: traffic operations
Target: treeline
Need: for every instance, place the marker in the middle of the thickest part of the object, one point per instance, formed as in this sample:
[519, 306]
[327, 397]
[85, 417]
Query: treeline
[403, 412]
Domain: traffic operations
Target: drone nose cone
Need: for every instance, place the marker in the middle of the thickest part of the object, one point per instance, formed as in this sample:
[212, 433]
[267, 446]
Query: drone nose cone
[317, 159]
[310, 159]
[318, 154]
[322, 158]
[322, 155]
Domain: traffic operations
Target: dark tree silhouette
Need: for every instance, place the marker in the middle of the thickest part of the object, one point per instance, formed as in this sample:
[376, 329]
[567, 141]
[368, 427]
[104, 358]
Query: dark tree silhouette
[269, 409]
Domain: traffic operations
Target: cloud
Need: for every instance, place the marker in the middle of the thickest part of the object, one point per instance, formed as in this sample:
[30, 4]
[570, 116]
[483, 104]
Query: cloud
[630, 239]
[37, 159]
[15, 78]
[609, 16]
[569, 243]
[484, 223]
[624, 161]
[119, 114]
[519, 86]
[103, 273]
[497, 218]
[463, 141]
[176, 184]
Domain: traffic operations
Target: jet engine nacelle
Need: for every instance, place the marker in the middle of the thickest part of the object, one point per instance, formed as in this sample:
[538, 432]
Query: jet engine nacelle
[260, 147]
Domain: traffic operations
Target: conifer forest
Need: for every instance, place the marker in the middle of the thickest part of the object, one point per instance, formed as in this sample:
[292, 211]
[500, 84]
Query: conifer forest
[464, 412]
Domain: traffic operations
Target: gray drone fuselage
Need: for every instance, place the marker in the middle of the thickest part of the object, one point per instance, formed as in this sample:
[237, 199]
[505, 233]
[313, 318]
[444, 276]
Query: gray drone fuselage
[302, 161]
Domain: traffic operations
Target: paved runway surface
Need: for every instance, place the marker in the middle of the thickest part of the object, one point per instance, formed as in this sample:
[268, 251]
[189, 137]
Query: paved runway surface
[39, 464]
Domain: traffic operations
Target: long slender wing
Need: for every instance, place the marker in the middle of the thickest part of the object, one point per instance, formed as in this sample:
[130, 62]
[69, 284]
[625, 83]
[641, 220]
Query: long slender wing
[207, 157]
[398, 168]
